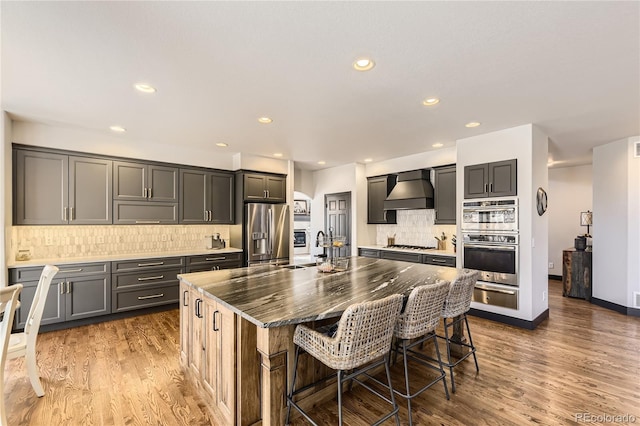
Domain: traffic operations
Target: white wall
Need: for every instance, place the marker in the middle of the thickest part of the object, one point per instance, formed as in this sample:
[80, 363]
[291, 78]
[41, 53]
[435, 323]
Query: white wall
[5, 195]
[77, 139]
[570, 192]
[528, 145]
[616, 211]
[423, 160]
[263, 164]
[303, 182]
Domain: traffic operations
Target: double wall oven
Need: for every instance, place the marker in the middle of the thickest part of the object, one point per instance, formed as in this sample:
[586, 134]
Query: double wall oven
[490, 244]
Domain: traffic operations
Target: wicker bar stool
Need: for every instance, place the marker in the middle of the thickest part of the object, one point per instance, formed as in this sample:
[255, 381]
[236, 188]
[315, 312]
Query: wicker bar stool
[419, 321]
[362, 341]
[456, 306]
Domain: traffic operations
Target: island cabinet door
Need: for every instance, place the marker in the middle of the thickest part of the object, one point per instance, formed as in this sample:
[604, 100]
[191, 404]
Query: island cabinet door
[185, 328]
[219, 362]
[196, 309]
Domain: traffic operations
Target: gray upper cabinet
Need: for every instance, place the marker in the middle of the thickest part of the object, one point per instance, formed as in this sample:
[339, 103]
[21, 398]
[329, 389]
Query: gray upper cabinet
[206, 197]
[445, 195]
[144, 193]
[264, 187]
[377, 190]
[498, 179]
[57, 189]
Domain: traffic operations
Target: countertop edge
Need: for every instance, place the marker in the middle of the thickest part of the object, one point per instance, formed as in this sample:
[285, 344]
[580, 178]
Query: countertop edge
[116, 257]
[432, 252]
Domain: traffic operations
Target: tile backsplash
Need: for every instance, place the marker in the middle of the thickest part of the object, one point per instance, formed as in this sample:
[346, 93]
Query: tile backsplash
[415, 227]
[45, 242]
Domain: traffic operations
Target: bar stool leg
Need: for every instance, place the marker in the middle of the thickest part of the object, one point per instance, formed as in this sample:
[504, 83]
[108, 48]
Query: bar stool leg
[444, 375]
[293, 385]
[449, 364]
[406, 379]
[393, 398]
[340, 374]
[473, 348]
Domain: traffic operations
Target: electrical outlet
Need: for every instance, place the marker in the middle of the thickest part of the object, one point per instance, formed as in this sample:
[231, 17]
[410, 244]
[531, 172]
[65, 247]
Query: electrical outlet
[164, 237]
[544, 296]
[550, 265]
[48, 241]
[100, 239]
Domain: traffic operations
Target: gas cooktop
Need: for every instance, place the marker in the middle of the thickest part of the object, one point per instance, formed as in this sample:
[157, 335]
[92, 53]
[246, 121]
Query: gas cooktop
[409, 247]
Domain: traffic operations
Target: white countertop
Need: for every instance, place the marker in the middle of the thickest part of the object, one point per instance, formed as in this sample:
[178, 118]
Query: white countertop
[116, 257]
[434, 252]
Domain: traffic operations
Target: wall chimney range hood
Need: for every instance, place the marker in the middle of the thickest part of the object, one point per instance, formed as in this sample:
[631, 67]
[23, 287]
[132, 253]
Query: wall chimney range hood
[413, 190]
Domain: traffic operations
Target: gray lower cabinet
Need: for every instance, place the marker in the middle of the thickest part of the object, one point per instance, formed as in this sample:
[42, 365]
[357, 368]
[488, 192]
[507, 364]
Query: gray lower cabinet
[445, 195]
[143, 283]
[365, 252]
[57, 189]
[213, 261]
[206, 197]
[405, 257]
[431, 259]
[77, 291]
[144, 193]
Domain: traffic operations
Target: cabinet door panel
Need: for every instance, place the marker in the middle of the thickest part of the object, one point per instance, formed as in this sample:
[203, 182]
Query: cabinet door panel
[276, 188]
[196, 313]
[211, 364]
[222, 198]
[503, 178]
[377, 190]
[476, 181]
[185, 324]
[144, 212]
[254, 187]
[90, 191]
[41, 193]
[445, 195]
[54, 311]
[194, 197]
[163, 184]
[88, 297]
[129, 181]
[226, 360]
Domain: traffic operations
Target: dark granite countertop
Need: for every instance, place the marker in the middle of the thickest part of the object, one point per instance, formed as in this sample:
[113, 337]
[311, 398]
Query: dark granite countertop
[271, 296]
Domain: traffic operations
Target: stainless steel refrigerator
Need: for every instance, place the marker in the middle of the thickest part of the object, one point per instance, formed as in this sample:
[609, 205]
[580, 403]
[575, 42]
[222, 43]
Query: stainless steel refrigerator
[266, 234]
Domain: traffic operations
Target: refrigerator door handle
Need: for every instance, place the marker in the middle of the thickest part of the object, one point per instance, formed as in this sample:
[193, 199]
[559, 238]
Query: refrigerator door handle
[270, 228]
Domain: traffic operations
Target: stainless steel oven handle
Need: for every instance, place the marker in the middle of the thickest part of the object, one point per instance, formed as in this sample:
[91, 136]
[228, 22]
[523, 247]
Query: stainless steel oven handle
[495, 290]
[497, 247]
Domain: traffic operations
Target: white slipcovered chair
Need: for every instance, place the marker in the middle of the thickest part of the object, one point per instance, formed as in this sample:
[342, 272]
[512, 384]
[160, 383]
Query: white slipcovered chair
[24, 343]
[8, 303]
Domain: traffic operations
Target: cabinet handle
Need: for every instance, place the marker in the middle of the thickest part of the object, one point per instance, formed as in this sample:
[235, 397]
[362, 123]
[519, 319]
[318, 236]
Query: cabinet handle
[214, 321]
[210, 216]
[69, 288]
[144, 192]
[70, 270]
[185, 300]
[72, 214]
[491, 187]
[141, 265]
[153, 296]
[438, 260]
[147, 221]
[486, 187]
[157, 277]
[64, 214]
[61, 286]
[268, 194]
[211, 259]
[150, 193]
[206, 215]
[198, 302]
[384, 215]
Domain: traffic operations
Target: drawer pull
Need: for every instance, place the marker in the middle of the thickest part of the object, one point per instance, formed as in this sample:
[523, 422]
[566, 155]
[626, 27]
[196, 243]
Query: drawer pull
[157, 277]
[210, 259]
[185, 298]
[147, 221]
[438, 260]
[153, 296]
[215, 327]
[142, 265]
[70, 270]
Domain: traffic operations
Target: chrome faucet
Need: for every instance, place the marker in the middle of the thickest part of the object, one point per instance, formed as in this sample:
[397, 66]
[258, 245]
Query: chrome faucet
[318, 238]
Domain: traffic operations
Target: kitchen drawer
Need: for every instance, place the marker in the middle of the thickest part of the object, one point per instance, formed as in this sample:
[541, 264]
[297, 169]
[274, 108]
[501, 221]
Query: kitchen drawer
[143, 278]
[489, 295]
[142, 264]
[212, 267]
[145, 297]
[439, 260]
[369, 253]
[405, 257]
[214, 259]
[18, 275]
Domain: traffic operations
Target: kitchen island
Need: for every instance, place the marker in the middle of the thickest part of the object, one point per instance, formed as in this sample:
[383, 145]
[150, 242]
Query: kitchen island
[237, 328]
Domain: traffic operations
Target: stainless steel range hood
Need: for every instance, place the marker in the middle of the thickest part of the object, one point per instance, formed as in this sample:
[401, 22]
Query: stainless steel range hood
[412, 191]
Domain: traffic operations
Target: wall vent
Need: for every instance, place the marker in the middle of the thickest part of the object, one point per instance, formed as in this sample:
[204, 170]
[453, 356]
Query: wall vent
[636, 299]
[636, 149]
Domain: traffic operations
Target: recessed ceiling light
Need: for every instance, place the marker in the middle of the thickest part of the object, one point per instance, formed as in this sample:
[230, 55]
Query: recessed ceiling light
[322, 162]
[118, 129]
[472, 124]
[368, 160]
[222, 144]
[437, 145]
[277, 154]
[363, 64]
[430, 101]
[265, 120]
[145, 88]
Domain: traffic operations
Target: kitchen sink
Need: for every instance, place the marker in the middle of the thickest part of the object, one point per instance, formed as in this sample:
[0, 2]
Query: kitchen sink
[298, 266]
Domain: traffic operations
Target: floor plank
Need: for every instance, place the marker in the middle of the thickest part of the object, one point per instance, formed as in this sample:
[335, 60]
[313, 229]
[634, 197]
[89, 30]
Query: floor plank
[583, 359]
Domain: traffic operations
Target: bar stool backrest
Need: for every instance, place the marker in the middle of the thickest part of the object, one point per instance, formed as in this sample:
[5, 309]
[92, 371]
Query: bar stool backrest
[459, 299]
[423, 310]
[365, 331]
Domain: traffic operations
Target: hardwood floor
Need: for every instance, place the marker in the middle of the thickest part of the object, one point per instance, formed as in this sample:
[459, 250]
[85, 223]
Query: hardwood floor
[583, 359]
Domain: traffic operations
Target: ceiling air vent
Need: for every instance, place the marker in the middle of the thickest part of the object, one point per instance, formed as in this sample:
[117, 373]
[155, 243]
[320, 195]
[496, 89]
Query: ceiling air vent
[636, 149]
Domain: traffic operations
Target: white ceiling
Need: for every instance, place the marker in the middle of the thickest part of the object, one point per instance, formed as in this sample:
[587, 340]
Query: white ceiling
[572, 68]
